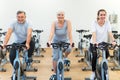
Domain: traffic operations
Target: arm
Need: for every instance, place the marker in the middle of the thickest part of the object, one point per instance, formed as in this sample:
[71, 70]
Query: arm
[51, 32]
[93, 30]
[29, 35]
[69, 32]
[7, 36]
[94, 37]
[111, 36]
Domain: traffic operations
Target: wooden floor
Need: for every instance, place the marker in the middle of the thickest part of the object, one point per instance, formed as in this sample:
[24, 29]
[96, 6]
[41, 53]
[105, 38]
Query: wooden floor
[44, 69]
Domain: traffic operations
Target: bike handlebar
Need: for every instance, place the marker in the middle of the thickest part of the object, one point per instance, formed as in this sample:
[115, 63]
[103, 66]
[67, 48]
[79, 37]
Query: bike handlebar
[60, 44]
[16, 46]
[103, 45]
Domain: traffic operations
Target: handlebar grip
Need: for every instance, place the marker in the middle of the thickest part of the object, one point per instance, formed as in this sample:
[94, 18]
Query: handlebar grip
[73, 44]
[48, 45]
[1, 46]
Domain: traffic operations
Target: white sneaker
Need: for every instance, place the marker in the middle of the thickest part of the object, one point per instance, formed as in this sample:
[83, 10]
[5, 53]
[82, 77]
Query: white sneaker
[107, 77]
[92, 76]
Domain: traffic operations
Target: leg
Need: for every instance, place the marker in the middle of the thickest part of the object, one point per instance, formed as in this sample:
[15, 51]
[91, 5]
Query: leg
[66, 60]
[94, 60]
[107, 53]
[67, 51]
[12, 55]
[54, 66]
[55, 59]
[31, 50]
[30, 60]
[94, 56]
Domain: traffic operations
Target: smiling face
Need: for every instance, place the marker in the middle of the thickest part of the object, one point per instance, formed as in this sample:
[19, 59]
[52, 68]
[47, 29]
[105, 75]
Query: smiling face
[21, 18]
[101, 15]
[60, 16]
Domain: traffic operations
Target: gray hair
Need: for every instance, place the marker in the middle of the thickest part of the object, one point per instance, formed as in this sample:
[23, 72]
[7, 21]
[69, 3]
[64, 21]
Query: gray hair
[19, 12]
[59, 12]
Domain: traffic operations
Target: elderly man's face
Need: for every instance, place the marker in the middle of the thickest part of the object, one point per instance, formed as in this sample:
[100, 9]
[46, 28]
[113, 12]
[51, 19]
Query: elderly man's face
[21, 18]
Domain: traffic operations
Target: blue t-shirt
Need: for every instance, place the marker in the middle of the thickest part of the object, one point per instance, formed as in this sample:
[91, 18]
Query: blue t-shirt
[20, 30]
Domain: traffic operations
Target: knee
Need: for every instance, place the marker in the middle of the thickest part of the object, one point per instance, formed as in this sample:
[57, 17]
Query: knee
[55, 58]
[68, 50]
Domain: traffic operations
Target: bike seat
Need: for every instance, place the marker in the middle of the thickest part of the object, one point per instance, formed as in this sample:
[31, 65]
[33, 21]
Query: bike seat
[87, 36]
[114, 31]
[38, 31]
[116, 36]
[81, 31]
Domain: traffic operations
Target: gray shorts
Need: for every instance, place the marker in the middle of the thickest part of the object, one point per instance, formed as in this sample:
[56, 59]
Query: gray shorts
[56, 51]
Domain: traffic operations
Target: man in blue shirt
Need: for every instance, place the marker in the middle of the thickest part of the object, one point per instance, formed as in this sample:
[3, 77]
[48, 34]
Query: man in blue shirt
[23, 33]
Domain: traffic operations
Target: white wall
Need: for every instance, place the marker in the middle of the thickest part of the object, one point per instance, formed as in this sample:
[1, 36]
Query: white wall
[43, 12]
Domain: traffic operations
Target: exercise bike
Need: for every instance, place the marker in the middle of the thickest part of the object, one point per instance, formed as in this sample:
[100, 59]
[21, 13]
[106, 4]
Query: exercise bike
[18, 72]
[38, 48]
[27, 62]
[101, 72]
[116, 56]
[80, 43]
[88, 55]
[60, 63]
[3, 58]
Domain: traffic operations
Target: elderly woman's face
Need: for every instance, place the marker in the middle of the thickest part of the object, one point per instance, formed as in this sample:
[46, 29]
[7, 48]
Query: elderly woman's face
[60, 16]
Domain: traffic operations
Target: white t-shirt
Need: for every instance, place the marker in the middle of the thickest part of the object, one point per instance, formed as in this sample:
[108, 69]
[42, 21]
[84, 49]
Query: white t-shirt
[101, 31]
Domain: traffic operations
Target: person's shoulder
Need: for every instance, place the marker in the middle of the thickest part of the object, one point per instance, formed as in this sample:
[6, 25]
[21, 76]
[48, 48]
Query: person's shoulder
[107, 22]
[54, 22]
[12, 23]
[28, 22]
[67, 20]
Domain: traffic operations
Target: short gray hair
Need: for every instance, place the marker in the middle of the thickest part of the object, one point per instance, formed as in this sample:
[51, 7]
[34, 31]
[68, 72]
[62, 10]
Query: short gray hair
[61, 12]
[19, 12]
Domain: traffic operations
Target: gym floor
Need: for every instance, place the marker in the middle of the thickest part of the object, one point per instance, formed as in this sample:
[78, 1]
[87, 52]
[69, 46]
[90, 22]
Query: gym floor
[44, 68]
